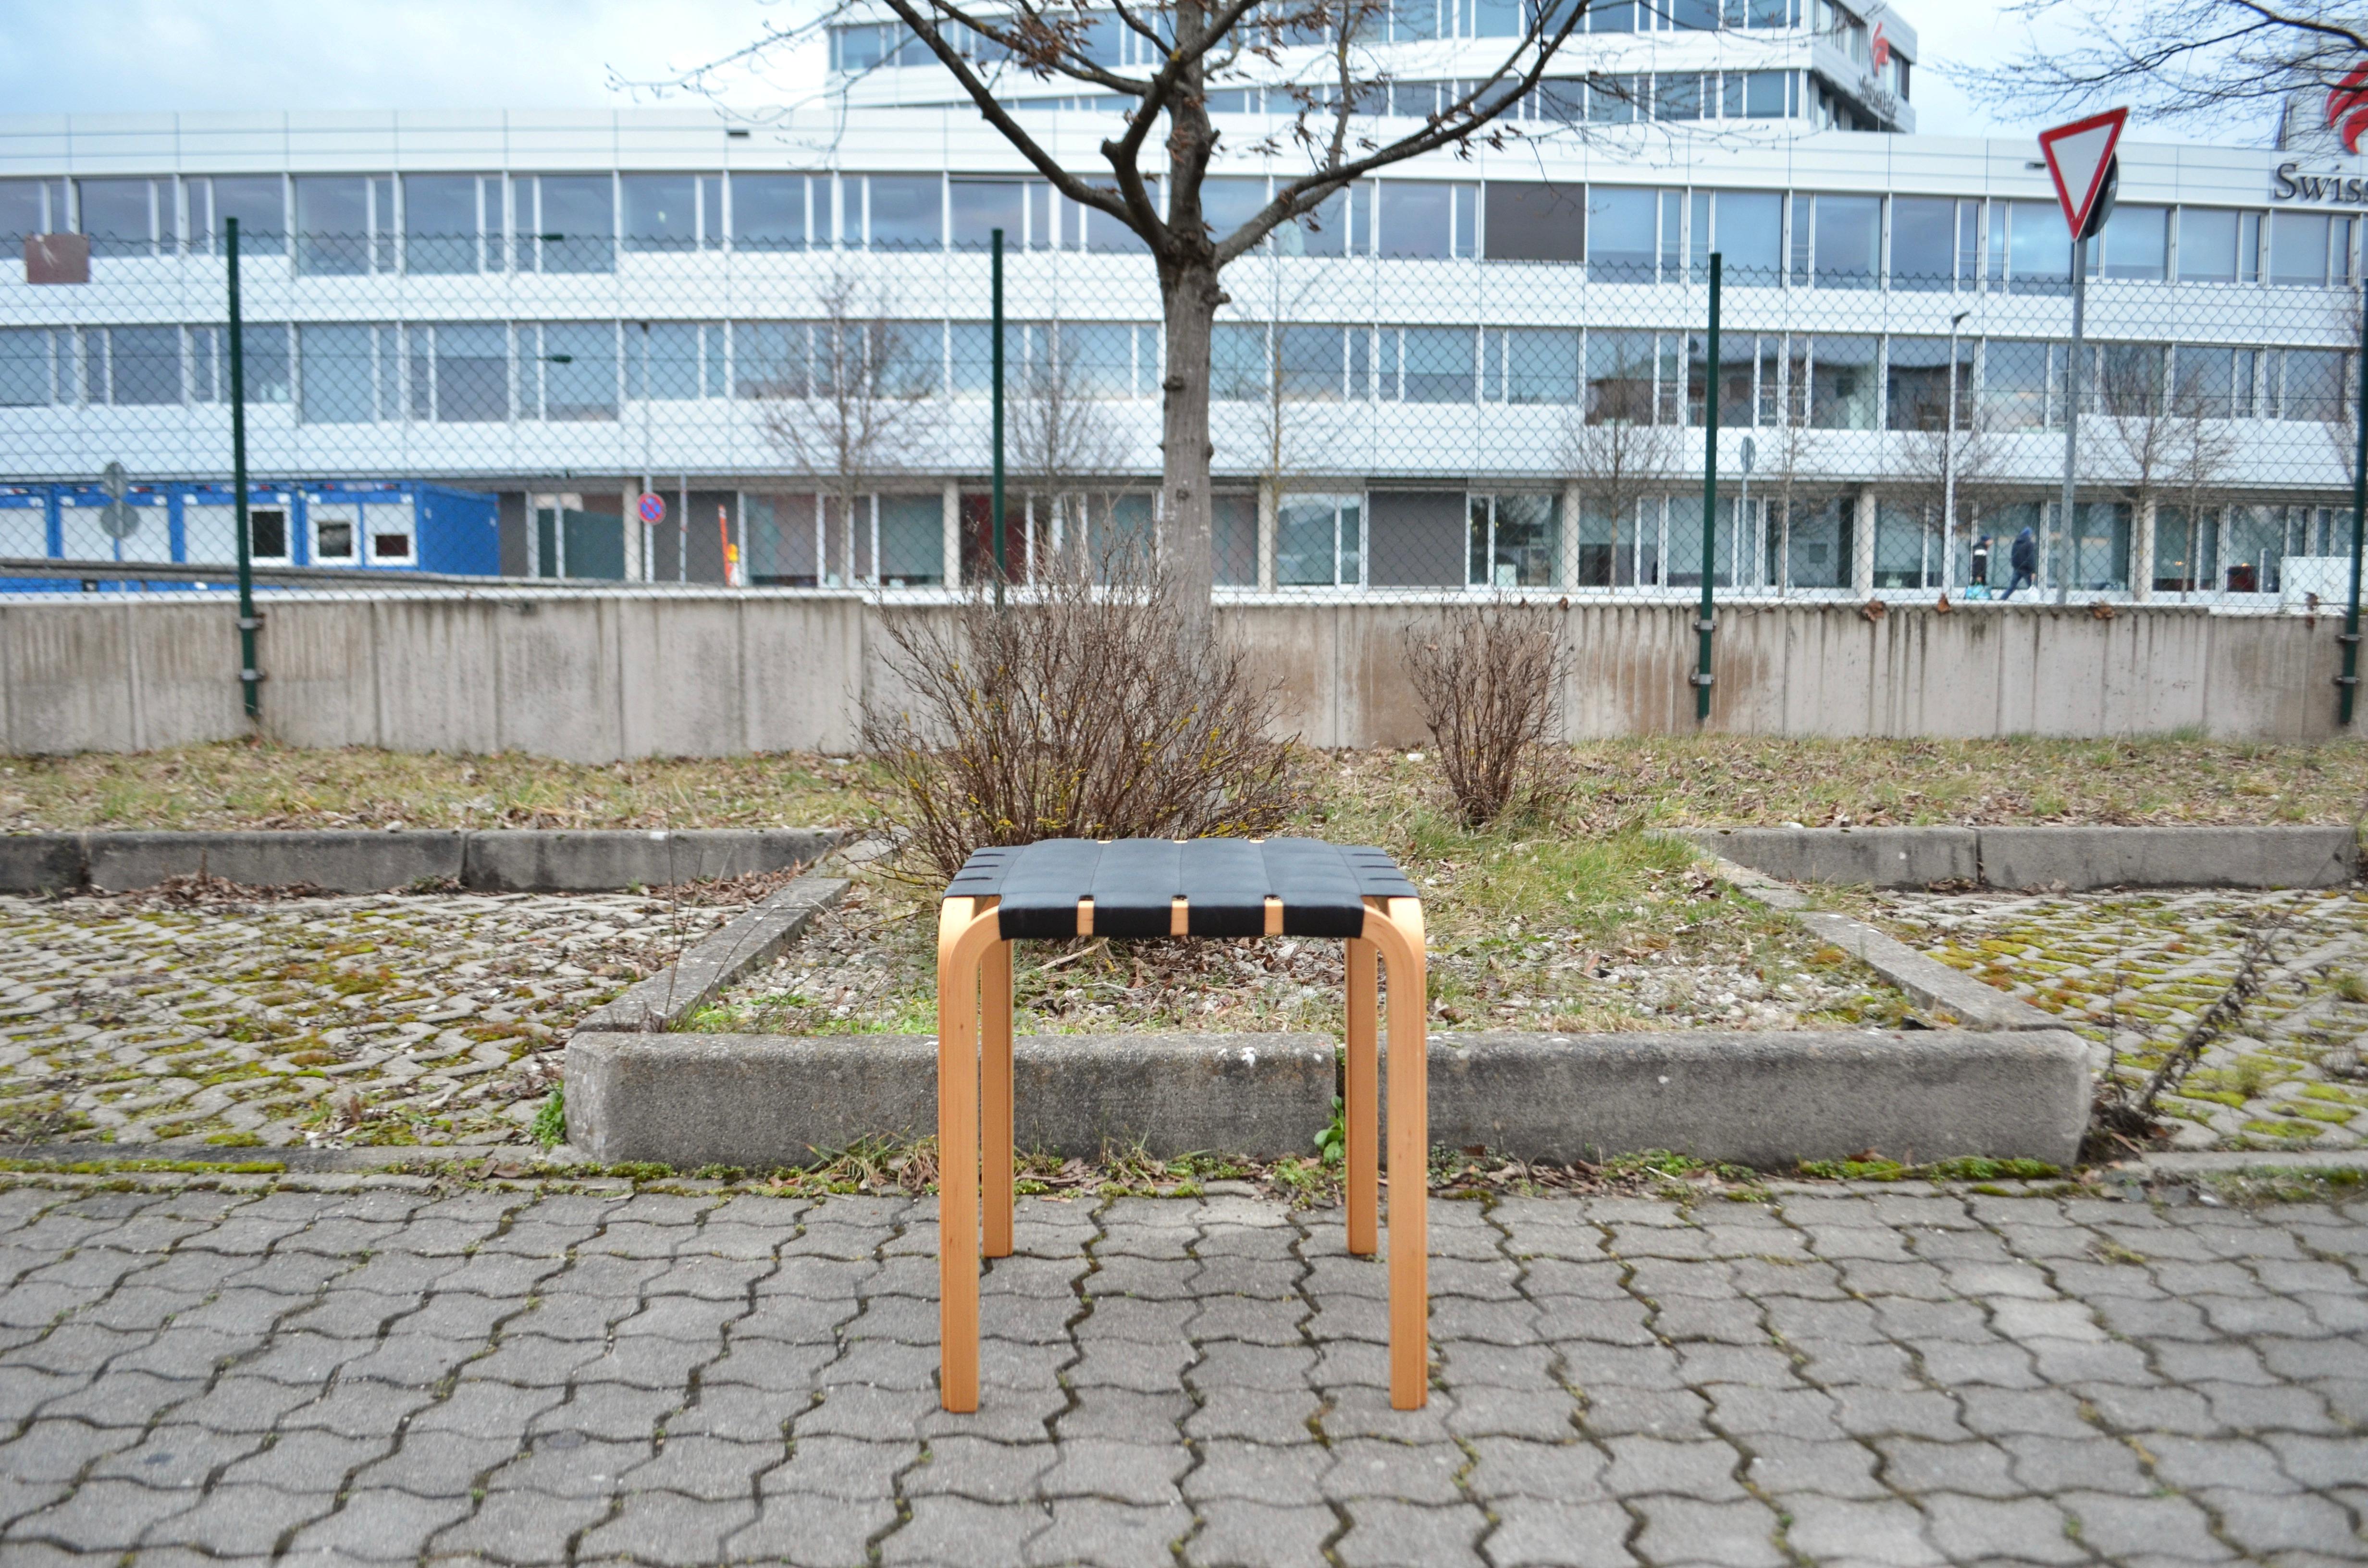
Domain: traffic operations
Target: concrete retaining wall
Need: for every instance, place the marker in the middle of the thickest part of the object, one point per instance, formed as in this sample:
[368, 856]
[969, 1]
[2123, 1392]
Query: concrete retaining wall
[1763, 1099]
[599, 676]
[2046, 858]
[503, 860]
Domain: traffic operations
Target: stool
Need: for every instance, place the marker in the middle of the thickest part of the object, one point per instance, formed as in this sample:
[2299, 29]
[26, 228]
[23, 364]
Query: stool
[1135, 888]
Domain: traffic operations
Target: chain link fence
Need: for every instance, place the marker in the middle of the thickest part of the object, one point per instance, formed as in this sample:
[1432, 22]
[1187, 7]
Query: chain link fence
[1429, 388]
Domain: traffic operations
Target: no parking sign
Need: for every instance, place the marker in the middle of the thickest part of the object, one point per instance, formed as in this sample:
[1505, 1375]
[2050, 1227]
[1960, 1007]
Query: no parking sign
[653, 507]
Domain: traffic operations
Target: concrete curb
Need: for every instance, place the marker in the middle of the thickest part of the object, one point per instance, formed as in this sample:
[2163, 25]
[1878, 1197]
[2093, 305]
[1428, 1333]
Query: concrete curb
[1763, 1099]
[496, 860]
[2067, 859]
[1931, 982]
[765, 1100]
[671, 996]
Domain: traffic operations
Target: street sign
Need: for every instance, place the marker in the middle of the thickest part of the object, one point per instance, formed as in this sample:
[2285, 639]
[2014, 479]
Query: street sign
[653, 507]
[114, 481]
[2079, 155]
[118, 518]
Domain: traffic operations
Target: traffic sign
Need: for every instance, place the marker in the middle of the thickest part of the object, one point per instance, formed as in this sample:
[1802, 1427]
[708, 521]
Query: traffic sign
[2079, 156]
[118, 518]
[653, 507]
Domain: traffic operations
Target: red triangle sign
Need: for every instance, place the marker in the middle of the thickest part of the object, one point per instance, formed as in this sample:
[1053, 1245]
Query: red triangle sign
[2077, 155]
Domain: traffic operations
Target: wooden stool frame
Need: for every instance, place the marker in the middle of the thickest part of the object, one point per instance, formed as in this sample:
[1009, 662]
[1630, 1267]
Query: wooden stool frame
[975, 1096]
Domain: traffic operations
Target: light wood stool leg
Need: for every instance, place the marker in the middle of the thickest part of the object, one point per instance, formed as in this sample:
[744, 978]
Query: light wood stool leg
[1399, 934]
[1361, 1100]
[995, 1097]
[963, 934]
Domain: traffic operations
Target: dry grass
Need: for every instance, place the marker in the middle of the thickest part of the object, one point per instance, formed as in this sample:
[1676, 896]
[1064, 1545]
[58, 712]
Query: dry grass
[237, 784]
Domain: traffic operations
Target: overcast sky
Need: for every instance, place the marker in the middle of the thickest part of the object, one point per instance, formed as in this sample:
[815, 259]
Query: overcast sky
[115, 56]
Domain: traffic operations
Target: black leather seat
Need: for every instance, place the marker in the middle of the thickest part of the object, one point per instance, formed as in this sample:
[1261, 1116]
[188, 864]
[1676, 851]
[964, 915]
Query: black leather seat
[1135, 883]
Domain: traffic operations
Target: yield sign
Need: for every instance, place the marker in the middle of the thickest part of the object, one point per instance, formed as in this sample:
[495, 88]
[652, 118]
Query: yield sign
[2077, 156]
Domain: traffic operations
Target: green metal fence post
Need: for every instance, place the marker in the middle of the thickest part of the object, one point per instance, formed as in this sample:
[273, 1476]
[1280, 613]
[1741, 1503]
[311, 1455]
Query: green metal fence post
[1710, 498]
[249, 677]
[1002, 548]
[2348, 681]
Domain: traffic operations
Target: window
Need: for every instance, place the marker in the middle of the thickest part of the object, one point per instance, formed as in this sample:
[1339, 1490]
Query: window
[1234, 527]
[769, 211]
[1847, 243]
[1621, 230]
[674, 362]
[2129, 378]
[1615, 17]
[132, 367]
[1536, 222]
[1923, 241]
[460, 372]
[768, 358]
[122, 216]
[576, 222]
[442, 218]
[1425, 218]
[30, 207]
[388, 524]
[661, 211]
[2205, 382]
[1319, 540]
[1238, 370]
[1768, 95]
[1227, 203]
[1919, 385]
[1617, 100]
[2298, 249]
[2208, 244]
[1677, 96]
[1417, 539]
[904, 211]
[333, 534]
[1098, 359]
[1540, 365]
[2016, 385]
[1311, 361]
[1841, 382]
[333, 224]
[2029, 238]
[339, 376]
[1437, 363]
[1619, 377]
[1750, 234]
[263, 346]
[2137, 243]
[1331, 229]
[24, 367]
[259, 202]
[912, 541]
[2310, 383]
[982, 206]
[1515, 541]
[267, 532]
[579, 369]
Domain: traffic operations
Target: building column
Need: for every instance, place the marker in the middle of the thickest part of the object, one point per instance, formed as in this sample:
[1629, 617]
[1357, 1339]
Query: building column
[1568, 565]
[1266, 535]
[953, 533]
[631, 523]
[1862, 543]
[2141, 552]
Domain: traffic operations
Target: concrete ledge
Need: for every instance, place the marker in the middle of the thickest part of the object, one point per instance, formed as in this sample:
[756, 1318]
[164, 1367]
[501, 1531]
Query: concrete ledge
[40, 862]
[667, 997]
[1931, 982]
[1870, 857]
[1764, 1100]
[503, 860]
[2079, 857]
[525, 861]
[336, 862]
[760, 1101]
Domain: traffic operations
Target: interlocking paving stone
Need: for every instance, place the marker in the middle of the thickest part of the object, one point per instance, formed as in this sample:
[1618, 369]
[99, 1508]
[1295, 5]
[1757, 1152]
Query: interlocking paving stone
[2011, 1409]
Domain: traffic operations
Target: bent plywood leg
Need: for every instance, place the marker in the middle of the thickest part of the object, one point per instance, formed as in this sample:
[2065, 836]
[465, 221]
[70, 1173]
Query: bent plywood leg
[963, 933]
[995, 1107]
[1361, 1100]
[1397, 931]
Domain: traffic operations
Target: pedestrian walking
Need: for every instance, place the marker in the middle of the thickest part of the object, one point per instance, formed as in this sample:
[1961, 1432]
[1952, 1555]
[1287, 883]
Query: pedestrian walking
[2023, 556]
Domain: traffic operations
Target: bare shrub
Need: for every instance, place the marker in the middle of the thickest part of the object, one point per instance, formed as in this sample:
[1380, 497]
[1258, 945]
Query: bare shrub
[1086, 709]
[1490, 680]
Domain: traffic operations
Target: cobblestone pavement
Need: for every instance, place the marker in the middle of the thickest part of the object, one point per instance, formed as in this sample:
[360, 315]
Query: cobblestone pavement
[1901, 1376]
[381, 1019]
[2135, 970]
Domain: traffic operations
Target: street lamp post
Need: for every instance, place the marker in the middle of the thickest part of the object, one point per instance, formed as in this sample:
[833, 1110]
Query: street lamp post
[1949, 463]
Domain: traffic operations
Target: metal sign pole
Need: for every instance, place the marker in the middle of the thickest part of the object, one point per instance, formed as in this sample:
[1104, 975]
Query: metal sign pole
[1710, 498]
[2071, 414]
[2348, 681]
[250, 678]
[1002, 547]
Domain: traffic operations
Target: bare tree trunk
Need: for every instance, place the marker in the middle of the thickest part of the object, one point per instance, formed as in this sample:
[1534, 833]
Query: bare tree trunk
[1193, 295]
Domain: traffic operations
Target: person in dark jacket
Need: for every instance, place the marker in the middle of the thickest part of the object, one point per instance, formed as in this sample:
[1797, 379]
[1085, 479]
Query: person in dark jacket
[2024, 558]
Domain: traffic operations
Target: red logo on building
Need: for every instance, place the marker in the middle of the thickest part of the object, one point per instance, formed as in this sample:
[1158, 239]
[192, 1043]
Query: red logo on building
[1882, 48]
[2347, 106]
